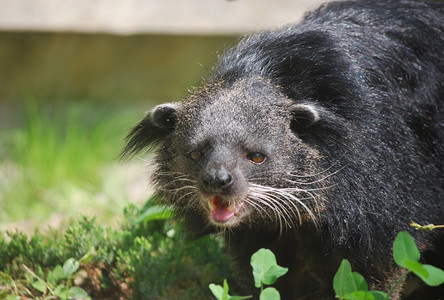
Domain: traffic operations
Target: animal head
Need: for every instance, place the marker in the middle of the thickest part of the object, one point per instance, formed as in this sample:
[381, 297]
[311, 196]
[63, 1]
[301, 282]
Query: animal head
[257, 140]
[235, 153]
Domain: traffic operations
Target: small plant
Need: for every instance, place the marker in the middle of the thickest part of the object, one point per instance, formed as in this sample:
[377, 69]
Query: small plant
[265, 271]
[429, 227]
[144, 259]
[54, 284]
[221, 293]
[350, 285]
[58, 283]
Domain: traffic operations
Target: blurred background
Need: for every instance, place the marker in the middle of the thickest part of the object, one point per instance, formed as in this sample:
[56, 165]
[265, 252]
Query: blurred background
[76, 75]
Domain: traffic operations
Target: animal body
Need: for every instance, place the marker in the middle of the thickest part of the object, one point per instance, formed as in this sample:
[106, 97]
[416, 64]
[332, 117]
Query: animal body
[320, 141]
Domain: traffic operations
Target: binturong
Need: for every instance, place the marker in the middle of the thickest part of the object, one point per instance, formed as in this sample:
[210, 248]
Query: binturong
[320, 141]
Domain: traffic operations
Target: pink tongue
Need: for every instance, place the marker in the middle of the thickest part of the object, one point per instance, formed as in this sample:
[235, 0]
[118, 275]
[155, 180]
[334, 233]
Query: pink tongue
[219, 211]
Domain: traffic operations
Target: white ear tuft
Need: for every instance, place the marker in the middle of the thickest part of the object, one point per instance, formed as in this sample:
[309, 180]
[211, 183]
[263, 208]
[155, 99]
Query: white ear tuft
[164, 115]
[304, 116]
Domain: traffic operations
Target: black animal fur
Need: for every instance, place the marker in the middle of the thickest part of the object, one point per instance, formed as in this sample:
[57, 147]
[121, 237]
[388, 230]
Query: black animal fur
[347, 109]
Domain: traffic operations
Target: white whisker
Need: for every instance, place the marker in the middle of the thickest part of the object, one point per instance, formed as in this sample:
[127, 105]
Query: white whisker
[283, 200]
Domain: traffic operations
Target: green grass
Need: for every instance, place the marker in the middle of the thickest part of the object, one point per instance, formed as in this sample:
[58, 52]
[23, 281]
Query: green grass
[64, 160]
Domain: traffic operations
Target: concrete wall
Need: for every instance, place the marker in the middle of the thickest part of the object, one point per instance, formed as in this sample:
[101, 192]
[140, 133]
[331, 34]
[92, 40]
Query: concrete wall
[55, 66]
[124, 50]
[153, 16]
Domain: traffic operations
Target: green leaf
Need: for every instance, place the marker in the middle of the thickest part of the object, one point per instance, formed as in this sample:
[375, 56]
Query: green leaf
[13, 297]
[265, 268]
[378, 295]
[217, 291]
[416, 268]
[70, 266]
[226, 288]
[340, 278]
[273, 273]
[88, 256]
[239, 297]
[55, 275]
[404, 248]
[346, 282]
[77, 293]
[61, 291]
[270, 293]
[156, 212]
[58, 272]
[39, 285]
[359, 282]
[221, 293]
[436, 275]
[362, 295]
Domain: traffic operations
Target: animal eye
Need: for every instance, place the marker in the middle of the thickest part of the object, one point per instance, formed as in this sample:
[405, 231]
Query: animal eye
[257, 158]
[195, 155]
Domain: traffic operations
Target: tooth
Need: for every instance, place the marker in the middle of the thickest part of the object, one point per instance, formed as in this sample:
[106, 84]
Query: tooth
[211, 205]
[231, 207]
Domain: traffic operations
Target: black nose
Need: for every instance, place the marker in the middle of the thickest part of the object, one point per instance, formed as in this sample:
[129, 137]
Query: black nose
[217, 180]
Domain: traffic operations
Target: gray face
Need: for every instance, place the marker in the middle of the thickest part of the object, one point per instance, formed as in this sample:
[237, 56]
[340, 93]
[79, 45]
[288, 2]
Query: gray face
[230, 153]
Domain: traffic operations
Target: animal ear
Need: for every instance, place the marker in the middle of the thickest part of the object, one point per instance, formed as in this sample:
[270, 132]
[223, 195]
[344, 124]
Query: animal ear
[303, 116]
[149, 132]
[164, 115]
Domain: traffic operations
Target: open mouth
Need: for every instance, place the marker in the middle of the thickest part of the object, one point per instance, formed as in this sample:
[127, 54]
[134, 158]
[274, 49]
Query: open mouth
[223, 210]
